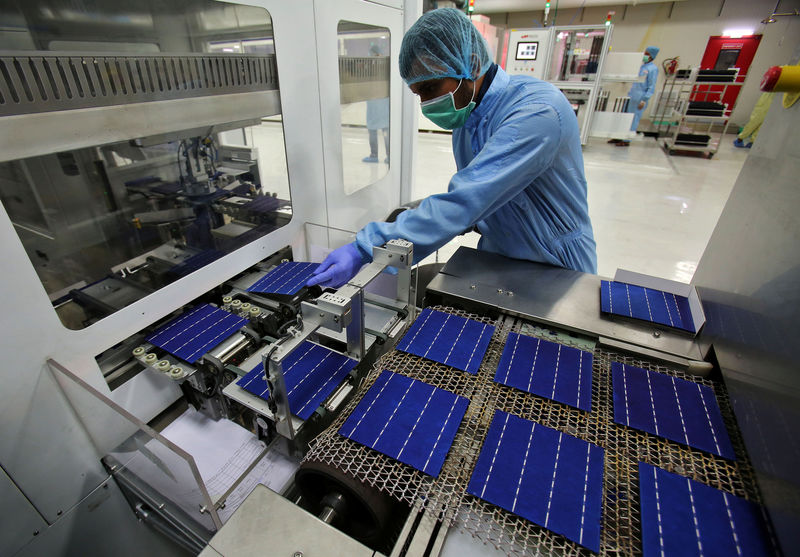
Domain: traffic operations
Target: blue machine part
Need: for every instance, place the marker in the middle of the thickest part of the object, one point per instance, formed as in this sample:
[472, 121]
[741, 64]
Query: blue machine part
[684, 517]
[547, 369]
[670, 407]
[193, 334]
[448, 339]
[638, 302]
[311, 373]
[287, 278]
[553, 479]
[407, 420]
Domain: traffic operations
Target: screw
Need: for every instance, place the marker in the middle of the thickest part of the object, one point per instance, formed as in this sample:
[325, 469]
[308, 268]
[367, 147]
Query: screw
[36, 533]
[656, 334]
[390, 256]
[321, 314]
[298, 554]
[59, 513]
[472, 287]
[509, 293]
[335, 318]
[499, 290]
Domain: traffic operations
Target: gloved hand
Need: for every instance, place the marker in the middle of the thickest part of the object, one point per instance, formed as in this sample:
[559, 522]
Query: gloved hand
[340, 266]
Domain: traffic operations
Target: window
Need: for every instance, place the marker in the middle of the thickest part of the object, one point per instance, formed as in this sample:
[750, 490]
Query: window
[106, 225]
[364, 85]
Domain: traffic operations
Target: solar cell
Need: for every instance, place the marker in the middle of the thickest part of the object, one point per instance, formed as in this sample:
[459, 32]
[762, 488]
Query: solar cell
[448, 339]
[311, 374]
[193, 334]
[553, 479]
[655, 306]
[407, 420]
[547, 369]
[684, 517]
[670, 407]
[286, 278]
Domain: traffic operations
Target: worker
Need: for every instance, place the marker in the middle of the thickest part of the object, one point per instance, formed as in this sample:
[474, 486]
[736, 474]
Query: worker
[520, 178]
[749, 132]
[377, 119]
[641, 92]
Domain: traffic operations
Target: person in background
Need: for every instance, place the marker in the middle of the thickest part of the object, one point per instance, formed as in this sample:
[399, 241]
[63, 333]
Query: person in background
[377, 119]
[641, 92]
[520, 178]
[749, 132]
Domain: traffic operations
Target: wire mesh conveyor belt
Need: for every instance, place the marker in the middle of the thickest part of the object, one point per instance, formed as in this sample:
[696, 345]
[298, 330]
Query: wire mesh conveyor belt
[624, 448]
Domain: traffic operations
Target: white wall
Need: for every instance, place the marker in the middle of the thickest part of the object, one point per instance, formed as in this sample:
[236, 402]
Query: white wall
[684, 32]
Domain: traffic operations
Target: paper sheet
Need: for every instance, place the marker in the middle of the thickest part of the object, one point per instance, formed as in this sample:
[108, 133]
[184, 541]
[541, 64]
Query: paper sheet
[222, 451]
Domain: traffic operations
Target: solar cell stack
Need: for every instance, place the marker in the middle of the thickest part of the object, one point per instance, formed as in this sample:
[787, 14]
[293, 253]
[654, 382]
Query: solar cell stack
[287, 278]
[537, 445]
[196, 332]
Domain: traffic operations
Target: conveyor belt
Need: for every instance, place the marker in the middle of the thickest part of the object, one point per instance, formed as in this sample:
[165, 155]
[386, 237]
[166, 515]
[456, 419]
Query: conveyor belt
[446, 495]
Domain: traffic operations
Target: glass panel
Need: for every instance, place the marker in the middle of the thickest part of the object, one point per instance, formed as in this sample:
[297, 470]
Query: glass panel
[576, 55]
[364, 84]
[106, 225]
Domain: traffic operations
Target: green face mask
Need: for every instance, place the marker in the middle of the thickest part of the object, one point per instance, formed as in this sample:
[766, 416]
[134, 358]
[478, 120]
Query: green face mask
[442, 110]
[646, 58]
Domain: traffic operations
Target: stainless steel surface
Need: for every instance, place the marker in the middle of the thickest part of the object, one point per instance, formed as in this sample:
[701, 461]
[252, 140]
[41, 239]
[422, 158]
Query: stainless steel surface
[21, 522]
[50, 81]
[749, 283]
[266, 522]
[551, 295]
[27, 135]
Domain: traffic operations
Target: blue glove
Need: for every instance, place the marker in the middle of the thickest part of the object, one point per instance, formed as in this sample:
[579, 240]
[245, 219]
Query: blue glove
[341, 265]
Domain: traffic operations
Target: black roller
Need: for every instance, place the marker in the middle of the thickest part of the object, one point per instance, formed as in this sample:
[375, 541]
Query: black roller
[364, 513]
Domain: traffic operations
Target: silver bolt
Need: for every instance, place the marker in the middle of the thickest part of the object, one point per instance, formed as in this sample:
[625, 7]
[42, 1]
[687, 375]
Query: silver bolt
[298, 554]
[472, 287]
[657, 334]
[499, 290]
[321, 314]
[509, 293]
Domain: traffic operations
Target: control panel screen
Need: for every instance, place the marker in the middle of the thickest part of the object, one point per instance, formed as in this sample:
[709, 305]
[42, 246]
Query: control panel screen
[527, 50]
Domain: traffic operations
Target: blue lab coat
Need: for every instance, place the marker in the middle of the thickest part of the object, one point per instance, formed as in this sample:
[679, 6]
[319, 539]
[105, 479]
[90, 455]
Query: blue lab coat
[378, 114]
[642, 92]
[520, 179]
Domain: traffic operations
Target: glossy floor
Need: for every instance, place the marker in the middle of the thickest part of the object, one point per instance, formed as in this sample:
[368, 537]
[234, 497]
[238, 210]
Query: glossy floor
[652, 213]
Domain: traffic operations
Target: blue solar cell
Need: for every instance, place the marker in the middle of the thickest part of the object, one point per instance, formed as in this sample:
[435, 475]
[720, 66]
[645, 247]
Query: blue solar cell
[407, 420]
[311, 374]
[448, 339]
[684, 517]
[286, 278]
[646, 304]
[547, 369]
[670, 407]
[553, 479]
[193, 334]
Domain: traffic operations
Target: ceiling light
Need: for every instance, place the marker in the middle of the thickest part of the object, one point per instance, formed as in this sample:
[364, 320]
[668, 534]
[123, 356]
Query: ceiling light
[736, 33]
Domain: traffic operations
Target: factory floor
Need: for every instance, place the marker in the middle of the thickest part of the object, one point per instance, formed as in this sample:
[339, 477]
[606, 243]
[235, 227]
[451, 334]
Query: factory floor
[652, 213]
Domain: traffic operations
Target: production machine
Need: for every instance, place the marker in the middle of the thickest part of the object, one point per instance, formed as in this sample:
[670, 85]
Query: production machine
[173, 172]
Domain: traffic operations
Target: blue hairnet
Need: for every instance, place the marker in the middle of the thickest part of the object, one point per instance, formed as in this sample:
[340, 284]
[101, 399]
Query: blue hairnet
[443, 43]
[652, 51]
